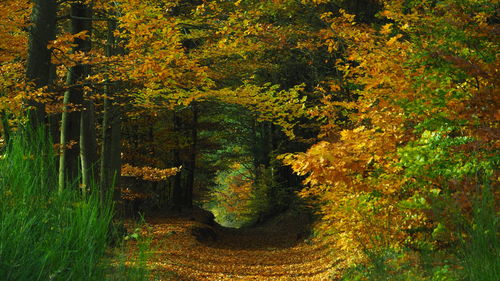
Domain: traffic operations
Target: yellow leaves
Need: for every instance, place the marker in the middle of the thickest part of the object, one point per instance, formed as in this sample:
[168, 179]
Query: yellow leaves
[387, 14]
[340, 174]
[333, 45]
[13, 51]
[281, 107]
[348, 17]
[148, 173]
[64, 55]
[65, 42]
[393, 39]
[355, 174]
[222, 43]
[386, 29]
[13, 26]
[156, 59]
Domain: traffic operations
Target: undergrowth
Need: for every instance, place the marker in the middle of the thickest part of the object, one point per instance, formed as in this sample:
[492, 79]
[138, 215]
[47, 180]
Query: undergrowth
[476, 257]
[129, 261]
[46, 234]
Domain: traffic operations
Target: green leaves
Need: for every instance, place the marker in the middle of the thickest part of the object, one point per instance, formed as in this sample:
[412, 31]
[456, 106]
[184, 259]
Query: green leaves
[437, 155]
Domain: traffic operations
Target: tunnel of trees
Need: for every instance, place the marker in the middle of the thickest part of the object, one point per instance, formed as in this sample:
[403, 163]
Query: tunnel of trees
[379, 119]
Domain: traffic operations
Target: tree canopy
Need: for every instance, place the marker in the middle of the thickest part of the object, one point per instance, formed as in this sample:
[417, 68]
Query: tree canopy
[381, 115]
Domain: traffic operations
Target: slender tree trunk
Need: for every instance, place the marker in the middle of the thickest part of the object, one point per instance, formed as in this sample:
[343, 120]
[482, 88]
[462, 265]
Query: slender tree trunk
[105, 146]
[105, 169]
[42, 30]
[88, 144]
[177, 194]
[115, 150]
[73, 101]
[266, 145]
[260, 147]
[70, 133]
[110, 149]
[111, 132]
[191, 164]
[88, 135]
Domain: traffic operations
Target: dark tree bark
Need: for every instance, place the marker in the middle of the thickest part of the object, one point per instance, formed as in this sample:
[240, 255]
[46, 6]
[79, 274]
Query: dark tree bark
[191, 164]
[111, 131]
[88, 134]
[115, 149]
[42, 30]
[110, 149]
[73, 101]
[177, 193]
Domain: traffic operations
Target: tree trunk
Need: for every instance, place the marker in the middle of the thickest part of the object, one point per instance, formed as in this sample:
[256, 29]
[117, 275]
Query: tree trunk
[115, 150]
[111, 132]
[88, 144]
[88, 135]
[111, 149]
[177, 194]
[42, 30]
[105, 177]
[73, 101]
[191, 164]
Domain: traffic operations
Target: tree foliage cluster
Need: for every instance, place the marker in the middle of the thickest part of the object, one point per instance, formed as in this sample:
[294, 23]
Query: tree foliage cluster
[420, 147]
[387, 109]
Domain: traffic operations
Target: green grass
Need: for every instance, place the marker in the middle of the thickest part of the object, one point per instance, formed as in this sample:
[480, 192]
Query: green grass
[44, 234]
[480, 251]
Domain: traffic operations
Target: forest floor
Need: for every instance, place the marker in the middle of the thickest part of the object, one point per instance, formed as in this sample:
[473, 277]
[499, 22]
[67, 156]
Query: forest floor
[268, 252]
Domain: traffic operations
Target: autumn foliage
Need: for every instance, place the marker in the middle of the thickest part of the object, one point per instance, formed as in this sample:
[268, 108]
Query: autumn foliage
[148, 173]
[423, 129]
[381, 115]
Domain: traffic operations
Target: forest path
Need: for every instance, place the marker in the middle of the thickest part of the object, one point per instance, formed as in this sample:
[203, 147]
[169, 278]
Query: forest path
[261, 253]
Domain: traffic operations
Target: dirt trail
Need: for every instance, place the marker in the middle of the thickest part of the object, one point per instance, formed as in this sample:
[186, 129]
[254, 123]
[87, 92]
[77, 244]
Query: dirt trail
[263, 253]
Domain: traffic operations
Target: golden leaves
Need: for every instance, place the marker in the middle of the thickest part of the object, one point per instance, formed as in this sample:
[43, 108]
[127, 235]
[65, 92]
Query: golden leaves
[387, 29]
[13, 22]
[281, 107]
[148, 173]
[355, 173]
[156, 59]
[393, 39]
[270, 253]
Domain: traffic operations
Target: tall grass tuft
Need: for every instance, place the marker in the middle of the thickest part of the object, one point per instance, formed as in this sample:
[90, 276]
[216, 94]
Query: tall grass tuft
[44, 234]
[481, 250]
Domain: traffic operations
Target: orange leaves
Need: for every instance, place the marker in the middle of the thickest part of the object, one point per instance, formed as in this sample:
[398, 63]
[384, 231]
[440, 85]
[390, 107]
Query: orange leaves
[270, 253]
[393, 40]
[148, 173]
[431, 67]
[62, 50]
[386, 29]
[13, 21]
[65, 42]
[353, 174]
[13, 51]
[155, 57]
